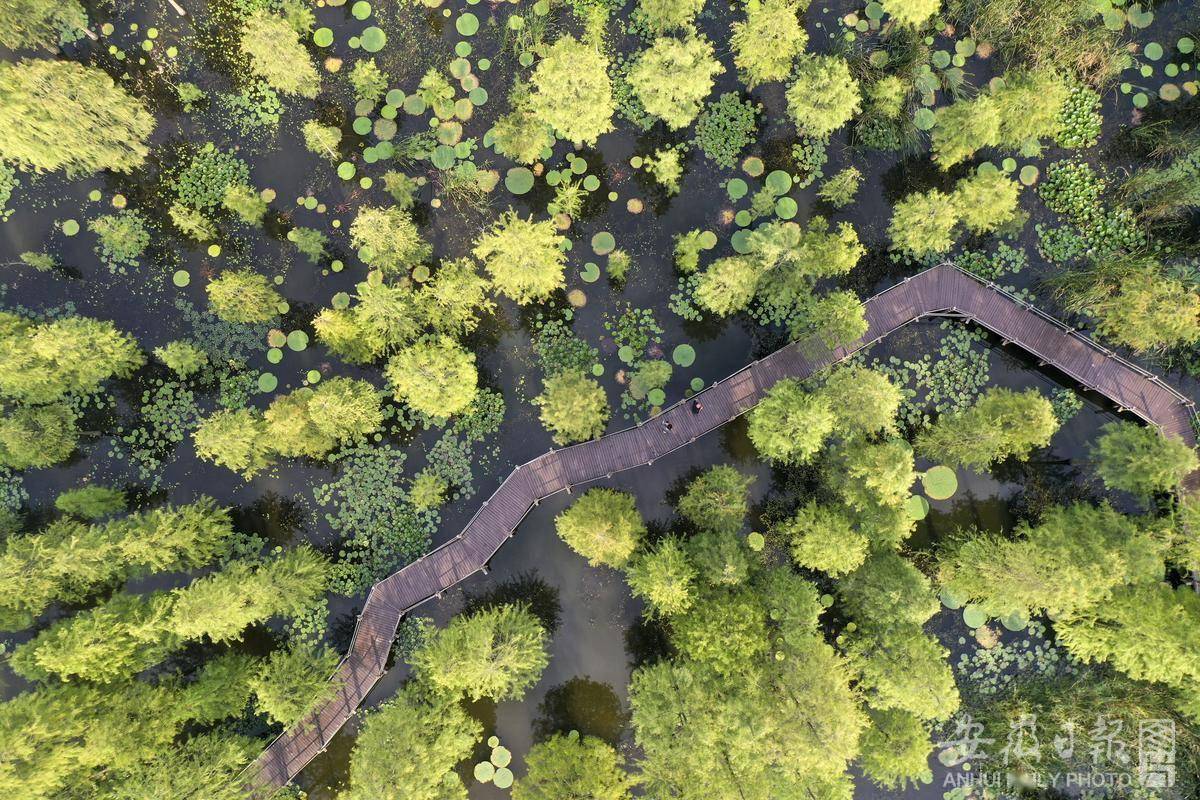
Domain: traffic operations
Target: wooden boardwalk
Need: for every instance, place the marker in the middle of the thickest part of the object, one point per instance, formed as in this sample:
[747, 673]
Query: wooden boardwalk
[942, 290]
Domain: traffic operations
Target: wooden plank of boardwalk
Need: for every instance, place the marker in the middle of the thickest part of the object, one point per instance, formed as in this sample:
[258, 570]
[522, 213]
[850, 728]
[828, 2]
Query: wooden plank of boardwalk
[941, 290]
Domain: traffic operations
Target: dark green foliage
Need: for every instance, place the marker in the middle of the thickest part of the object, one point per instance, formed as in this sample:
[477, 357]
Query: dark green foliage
[726, 126]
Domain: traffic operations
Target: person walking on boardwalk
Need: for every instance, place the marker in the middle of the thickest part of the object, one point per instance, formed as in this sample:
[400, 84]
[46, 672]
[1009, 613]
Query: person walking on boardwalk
[667, 426]
[697, 406]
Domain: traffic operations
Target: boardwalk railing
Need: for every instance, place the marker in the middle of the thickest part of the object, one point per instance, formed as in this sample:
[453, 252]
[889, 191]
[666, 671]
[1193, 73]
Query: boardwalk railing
[938, 290]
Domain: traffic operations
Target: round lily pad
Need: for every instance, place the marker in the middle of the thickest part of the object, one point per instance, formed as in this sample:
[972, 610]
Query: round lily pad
[753, 166]
[697, 384]
[1153, 51]
[1185, 45]
[274, 355]
[443, 156]
[373, 39]
[940, 482]
[707, 240]
[951, 600]
[684, 355]
[917, 507]
[973, 615]
[591, 183]
[786, 208]
[313, 376]
[181, 278]
[1015, 621]
[276, 338]
[597, 370]
[478, 96]
[743, 218]
[591, 272]
[322, 37]
[1169, 92]
[518, 180]
[360, 10]
[70, 227]
[626, 354]
[740, 242]
[501, 756]
[1029, 174]
[779, 182]
[341, 300]
[267, 382]
[924, 119]
[656, 397]
[297, 340]
[493, 741]
[467, 24]
[603, 243]
[756, 541]
[345, 170]
[484, 771]
[736, 188]
[503, 778]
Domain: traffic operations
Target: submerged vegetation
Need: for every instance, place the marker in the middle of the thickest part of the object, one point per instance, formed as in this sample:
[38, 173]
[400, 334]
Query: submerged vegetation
[290, 285]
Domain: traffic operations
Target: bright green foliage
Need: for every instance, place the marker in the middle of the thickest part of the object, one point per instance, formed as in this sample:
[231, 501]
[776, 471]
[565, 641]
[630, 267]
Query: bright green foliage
[768, 41]
[456, 298]
[368, 80]
[824, 539]
[717, 499]
[90, 502]
[724, 630]
[869, 474]
[1072, 560]
[60, 115]
[524, 258]
[277, 56]
[887, 589]
[963, 127]
[433, 734]
[863, 400]
[839, 190]
[40, 23]
[721, 558]
[42, 361]
[672, 77]
[573, 407]
[824, 95]
[1151, 632]
[986, 201]
[664, 577]
[573, 766]
[191, 222]
[727, 126]
[313, 421]
[293, 681]
[243, 296]
[221, 605]
[37, 436]
[603, 526]
[387, 239]
[434, 376]
[911, 13]
[905, 669]
[573, 93]
[1148, 311]
[321, 139]
[182, 357]
[1141, 460]
[895, 750]
[310, 242]
[727, 285]
[837, 319]
[245, 203]
[521, 134]
[402, 187]
[793, 259]
[498, 653]
[235, 439]
[1001, 424]
[791, 425]
[428, 490]
[661, 16]
[121, 238]
[923, 224]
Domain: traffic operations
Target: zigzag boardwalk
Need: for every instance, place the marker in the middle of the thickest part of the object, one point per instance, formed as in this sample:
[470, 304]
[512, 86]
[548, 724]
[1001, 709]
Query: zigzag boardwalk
[942, 290]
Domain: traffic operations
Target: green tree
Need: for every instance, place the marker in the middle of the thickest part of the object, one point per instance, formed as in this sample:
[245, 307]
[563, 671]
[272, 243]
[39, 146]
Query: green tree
[895, 750]
[1072, 560]
[664, 577]
[720, 557]
[986, 200]
[277, 56]
[1148, 311]
[433, 733]
[182, 357]
[497, 653]
[824, 539]
[368, 80]
[868, 474]
[524, 258]
[790, 425]
[717, 500]
[321, 139]
[839, 190]
[824, 95]
[521, 134]
[60, 115]
[1151, 632]
[603, 526]
[728, 284]
[387, 239]
[573, 407]
[456, 298]
[964, 127]
[837, 319]
[725, 630]
[37, 436]
[245, 203]
[573, 766]
[1001, 424]
[572, 91]
[40, 23]
[911, 13]
[1030, 104]
[672, 77]
[887, 589]
[313, 421]
[243, 296]
[41, 362]
[91, 502]
[661, 16]
[434, 376]
[903, 668]
[863, 400]
[768, 41]
[1141, 460]
[923, 224]
[293, 681]
[427, 490]
[235, 439]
